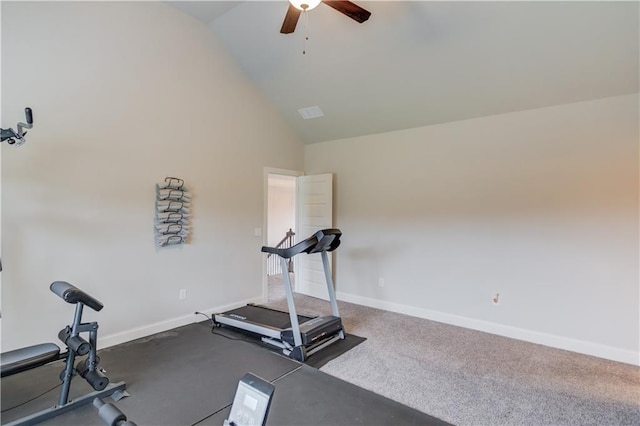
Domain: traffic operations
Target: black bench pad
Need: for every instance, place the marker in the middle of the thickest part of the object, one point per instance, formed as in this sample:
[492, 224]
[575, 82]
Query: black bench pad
[27, 358]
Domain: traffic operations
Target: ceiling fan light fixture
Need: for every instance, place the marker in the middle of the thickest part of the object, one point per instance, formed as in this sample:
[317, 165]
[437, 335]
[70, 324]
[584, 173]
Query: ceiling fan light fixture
[304, 4]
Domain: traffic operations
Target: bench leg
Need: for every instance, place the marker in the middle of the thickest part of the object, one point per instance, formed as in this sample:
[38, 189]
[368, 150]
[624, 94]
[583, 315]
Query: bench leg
[56, 411]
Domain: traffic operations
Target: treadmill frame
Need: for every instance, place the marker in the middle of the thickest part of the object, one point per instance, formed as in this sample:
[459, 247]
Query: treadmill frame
[272, 335]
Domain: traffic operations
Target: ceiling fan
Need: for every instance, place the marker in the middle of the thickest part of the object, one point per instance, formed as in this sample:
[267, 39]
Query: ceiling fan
[348, 8]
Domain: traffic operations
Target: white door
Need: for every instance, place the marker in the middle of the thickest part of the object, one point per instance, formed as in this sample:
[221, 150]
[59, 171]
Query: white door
[315, 212]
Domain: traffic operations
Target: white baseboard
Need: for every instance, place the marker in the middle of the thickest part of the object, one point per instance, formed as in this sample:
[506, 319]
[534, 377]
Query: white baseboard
[554, 341]
[162, 326]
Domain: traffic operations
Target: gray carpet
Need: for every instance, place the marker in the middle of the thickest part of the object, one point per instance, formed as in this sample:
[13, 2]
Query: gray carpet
[468, 377]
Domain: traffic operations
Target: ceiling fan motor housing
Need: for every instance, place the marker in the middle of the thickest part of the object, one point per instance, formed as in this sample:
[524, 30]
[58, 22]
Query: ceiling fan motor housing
[304, 4]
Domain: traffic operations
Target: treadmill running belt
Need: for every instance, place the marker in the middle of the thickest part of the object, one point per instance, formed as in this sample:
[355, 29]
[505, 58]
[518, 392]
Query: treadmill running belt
[267, 316]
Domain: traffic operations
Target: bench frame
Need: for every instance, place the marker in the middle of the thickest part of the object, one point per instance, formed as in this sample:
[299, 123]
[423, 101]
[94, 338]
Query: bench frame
[24, 359]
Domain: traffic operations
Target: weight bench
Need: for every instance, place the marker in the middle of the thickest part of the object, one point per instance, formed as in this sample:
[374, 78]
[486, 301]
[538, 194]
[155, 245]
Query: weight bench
[24, 359]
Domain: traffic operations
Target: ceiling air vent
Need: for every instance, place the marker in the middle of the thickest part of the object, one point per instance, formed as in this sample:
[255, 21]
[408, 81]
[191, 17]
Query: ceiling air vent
[311, 112]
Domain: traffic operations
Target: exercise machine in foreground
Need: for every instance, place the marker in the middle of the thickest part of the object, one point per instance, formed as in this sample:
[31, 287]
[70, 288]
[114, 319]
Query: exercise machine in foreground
[24, 359]
[298, 336]
[17, 137]
[251, 402]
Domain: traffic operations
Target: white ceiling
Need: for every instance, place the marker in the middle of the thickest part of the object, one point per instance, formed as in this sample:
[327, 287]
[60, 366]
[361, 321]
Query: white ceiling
[417, 63]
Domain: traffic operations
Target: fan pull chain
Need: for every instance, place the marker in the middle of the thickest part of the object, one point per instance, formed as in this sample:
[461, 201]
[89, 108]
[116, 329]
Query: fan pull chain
[305, 21]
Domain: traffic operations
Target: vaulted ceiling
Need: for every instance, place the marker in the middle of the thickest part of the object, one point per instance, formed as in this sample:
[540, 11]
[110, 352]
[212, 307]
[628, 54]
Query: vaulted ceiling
[418, 63]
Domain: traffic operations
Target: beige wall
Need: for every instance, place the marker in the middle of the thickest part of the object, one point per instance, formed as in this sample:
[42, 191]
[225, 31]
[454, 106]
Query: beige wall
[539, 206]
[124, 94]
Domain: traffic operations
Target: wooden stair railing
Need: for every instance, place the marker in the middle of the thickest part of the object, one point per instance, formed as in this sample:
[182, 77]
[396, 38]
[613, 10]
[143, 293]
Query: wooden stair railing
[273, 263]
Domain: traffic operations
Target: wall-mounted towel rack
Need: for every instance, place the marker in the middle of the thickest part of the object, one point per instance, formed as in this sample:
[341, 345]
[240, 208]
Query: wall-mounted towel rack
[173, 202]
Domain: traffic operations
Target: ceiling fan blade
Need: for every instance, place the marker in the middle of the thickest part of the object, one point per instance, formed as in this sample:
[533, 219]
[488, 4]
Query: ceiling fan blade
[350, 9]
[290, 20]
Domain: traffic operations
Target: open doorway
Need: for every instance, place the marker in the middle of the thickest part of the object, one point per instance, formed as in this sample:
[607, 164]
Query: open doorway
[281, 225]
[302, 204]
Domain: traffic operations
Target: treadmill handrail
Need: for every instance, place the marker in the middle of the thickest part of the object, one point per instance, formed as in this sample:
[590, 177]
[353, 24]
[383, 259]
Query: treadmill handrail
[323, 240]
[287, 253]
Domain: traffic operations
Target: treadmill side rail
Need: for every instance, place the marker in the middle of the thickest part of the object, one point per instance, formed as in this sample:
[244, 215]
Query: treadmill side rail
[247, 325]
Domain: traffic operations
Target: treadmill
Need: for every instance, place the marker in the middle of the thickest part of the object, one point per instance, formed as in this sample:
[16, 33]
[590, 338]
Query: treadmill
[298, 336]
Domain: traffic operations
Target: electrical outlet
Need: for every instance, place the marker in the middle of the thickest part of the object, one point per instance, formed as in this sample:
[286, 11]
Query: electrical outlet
[183, 294]
[380, 282]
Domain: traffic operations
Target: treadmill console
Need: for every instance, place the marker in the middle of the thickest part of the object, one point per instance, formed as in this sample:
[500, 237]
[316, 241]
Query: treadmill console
[251, 402]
